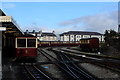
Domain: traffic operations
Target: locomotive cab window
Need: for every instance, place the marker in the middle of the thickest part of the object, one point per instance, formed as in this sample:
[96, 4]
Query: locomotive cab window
[31, 42]
[21, 42]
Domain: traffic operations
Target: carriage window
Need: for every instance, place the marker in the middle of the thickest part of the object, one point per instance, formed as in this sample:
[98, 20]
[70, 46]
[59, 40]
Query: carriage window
[88, 41]
[21, 42]
[31, 42]
[43, 42]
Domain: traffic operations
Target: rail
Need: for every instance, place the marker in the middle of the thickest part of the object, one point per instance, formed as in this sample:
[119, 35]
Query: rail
[35, 73]
[69, 67]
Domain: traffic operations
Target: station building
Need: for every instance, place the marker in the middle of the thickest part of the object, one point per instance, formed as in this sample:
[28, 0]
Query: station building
[77, 35]
[43, 36]
[8, 36]
[9, 29]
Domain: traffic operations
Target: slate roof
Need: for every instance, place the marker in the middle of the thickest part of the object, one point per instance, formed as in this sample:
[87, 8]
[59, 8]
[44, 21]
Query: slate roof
[47, 34]
[43, 33]
[80, 33]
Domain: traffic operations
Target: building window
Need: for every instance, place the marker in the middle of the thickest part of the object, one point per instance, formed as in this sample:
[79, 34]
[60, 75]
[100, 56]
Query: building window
[72, 36]
[78, 40]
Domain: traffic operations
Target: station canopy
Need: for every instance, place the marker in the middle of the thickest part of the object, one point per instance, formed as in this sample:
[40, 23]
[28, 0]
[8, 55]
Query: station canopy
[10, 24]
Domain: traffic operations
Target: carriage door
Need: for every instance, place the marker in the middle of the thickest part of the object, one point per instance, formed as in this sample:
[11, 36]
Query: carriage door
[20, 46]
[31, 47]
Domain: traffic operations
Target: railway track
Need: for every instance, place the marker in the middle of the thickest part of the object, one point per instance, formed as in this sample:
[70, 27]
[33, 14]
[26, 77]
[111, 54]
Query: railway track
[108, 63]
[69, 67]
[58, 63]
[93, 56]
[74, 69]
[77, 51]
[32, 72]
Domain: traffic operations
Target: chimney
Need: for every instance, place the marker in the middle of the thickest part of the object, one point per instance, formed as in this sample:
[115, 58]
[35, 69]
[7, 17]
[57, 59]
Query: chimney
[40, 32]
[53, 32]
[27, 31]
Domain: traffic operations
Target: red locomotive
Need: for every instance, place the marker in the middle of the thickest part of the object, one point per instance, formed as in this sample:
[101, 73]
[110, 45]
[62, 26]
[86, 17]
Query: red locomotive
[26, 47]
[89, 44]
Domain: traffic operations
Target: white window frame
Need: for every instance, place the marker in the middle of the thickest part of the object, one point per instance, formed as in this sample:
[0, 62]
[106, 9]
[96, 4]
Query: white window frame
[16, 46]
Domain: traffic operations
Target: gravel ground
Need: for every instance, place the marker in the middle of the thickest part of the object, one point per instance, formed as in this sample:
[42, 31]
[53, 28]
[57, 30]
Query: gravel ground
[10, 71]
[51, 53]
[51, 69]
[100, 72]
[41, 58]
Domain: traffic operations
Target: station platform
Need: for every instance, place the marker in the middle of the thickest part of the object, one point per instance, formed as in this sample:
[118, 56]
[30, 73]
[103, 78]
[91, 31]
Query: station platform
[9, 30]
[10, 70]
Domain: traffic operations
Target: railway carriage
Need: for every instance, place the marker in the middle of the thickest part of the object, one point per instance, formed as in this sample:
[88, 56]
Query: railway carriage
[89, 44]
[44, 43]
[26, 47]
[86, 44]
[57, 43]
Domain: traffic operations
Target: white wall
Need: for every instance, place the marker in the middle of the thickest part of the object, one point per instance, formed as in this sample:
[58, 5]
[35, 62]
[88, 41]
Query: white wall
[71, 37]
[66, 37]
[86, 36]
[101, 38]
[78, 37]
[47, 38]
[61, 38]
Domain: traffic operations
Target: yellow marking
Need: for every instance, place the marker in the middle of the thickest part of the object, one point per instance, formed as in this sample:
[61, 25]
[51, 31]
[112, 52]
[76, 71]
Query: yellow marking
[9, 31]
[9, 28]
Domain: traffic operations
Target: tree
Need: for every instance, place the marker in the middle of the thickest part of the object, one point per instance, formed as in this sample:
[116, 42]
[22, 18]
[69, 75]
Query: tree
[106, 33]
[113, 33]
[110, 35]
[106, 36]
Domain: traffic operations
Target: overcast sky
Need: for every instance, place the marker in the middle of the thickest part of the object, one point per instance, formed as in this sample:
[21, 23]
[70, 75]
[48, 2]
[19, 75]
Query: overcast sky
[64, 16]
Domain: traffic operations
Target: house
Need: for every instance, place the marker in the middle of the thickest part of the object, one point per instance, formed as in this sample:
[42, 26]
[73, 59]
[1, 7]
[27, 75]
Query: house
[43, 36]
[77, 35]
